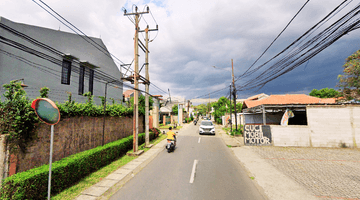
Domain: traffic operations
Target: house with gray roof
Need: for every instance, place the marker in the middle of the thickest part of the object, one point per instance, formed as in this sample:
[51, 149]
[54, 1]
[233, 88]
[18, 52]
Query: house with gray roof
[64, 62]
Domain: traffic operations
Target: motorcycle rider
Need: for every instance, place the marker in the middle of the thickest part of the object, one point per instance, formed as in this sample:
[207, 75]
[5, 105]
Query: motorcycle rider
[171, 135]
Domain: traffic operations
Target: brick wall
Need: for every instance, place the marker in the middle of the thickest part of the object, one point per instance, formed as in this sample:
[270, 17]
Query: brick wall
[74, 135]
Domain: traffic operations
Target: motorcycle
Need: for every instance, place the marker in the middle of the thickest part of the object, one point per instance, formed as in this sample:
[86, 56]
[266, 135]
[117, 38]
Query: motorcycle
[195, 121]
[170, 146]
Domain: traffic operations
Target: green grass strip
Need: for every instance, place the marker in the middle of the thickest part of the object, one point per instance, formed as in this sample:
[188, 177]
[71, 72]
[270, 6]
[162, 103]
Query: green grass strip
[95, 177]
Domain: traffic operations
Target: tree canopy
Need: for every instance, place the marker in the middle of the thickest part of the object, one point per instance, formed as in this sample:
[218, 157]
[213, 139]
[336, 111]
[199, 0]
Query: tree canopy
[222, 106]
[325, 93]
[175, 109]
[350, 80]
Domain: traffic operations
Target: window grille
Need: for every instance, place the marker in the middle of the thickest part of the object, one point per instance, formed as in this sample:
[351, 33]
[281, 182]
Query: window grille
[81, 80]
[91, 81]
[66, 72]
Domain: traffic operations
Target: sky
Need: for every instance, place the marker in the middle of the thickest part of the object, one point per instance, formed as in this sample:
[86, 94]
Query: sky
[195, 35]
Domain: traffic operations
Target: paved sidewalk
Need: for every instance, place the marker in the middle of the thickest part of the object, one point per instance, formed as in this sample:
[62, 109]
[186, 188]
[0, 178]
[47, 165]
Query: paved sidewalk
[301, 172]
[118, 178]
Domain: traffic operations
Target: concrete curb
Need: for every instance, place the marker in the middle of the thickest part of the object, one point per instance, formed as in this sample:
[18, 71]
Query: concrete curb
[118, 178]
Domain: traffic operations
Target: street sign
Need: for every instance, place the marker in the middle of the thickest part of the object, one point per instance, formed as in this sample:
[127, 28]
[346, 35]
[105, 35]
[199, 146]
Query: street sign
[46, 110]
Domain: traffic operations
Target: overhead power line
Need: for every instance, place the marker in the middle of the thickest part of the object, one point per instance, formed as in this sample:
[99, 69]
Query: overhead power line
[276, 38]
[302, 49]
[84, 36]
[296, 42]
[305, 50]
[99, 75]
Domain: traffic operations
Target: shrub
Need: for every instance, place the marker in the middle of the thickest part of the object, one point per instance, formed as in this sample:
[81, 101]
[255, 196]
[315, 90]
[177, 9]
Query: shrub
[156, 131]
[239, 131]
[32, 184]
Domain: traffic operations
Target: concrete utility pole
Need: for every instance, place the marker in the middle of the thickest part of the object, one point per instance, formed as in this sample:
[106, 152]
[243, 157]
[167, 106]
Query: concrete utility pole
[209, 105]
[230, 111]
[136, 76]
[232, 65]
[147, 142]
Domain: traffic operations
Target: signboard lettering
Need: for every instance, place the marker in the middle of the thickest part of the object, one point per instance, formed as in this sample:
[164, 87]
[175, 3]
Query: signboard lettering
[257, 135]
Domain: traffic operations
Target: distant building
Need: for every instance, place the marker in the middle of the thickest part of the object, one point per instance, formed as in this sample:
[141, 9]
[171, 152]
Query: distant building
[61, 61]
[128, 94]
[272, 108]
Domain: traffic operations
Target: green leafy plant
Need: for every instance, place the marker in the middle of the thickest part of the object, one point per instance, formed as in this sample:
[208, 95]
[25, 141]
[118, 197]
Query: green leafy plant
[142, 104]
[112, 100]
[102, 100]
[236, 132]
[175, 109]
[44, 92]
[17, 118]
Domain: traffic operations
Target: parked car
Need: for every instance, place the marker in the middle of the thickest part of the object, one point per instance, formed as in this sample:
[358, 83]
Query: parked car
[206, 127]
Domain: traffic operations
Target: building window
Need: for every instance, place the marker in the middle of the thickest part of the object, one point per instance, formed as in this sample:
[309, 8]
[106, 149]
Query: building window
[91, 81]
[81, 80]
[66, 72]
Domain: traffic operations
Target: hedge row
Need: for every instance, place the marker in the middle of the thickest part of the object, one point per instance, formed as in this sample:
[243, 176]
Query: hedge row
[33, 184]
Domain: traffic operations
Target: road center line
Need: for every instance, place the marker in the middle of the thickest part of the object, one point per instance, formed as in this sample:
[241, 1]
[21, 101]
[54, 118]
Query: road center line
[192, 177]
[199, 139]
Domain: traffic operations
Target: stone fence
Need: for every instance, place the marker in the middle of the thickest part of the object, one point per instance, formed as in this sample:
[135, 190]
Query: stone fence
[73, 135]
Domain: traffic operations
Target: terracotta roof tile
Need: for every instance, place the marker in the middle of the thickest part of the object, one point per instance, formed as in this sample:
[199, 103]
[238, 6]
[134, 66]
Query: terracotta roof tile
[288, 99]
[127, 93]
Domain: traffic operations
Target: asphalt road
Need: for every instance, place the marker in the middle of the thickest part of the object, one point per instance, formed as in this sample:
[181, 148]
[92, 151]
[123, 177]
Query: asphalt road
[216, 174]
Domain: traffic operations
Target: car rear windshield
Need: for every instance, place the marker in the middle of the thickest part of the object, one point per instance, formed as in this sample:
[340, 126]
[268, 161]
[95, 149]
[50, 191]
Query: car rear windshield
[207, 123]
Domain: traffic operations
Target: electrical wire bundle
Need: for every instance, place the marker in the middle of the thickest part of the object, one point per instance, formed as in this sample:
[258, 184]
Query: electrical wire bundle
[302, 49]
[299, 51]
[98, 75]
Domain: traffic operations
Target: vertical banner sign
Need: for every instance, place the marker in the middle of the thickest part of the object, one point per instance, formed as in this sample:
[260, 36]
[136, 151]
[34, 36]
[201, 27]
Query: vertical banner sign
[257, 135]
[285, 118]
[49, 113]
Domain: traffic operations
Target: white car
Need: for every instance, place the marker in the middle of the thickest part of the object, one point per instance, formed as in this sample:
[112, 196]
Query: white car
[206, 127]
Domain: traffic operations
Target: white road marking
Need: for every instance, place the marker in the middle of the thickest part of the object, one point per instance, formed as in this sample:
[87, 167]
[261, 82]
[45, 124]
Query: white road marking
[199, 139]
[192, 177]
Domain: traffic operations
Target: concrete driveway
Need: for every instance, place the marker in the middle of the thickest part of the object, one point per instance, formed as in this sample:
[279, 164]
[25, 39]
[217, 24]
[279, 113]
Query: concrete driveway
[303, 173]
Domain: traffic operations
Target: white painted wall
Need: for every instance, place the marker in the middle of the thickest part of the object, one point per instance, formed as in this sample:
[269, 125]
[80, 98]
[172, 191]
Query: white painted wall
[328, 126]
[356, 125]
[290, 135]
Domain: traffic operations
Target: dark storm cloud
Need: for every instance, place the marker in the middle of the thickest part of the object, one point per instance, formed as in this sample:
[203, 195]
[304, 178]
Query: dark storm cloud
[196, 35]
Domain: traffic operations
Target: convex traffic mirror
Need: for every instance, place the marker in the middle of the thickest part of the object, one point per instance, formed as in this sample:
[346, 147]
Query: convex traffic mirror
[46, 110]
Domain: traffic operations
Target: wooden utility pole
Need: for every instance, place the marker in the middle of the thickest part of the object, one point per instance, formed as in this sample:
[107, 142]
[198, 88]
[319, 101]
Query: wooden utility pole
[234, 93]
[136, 77]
